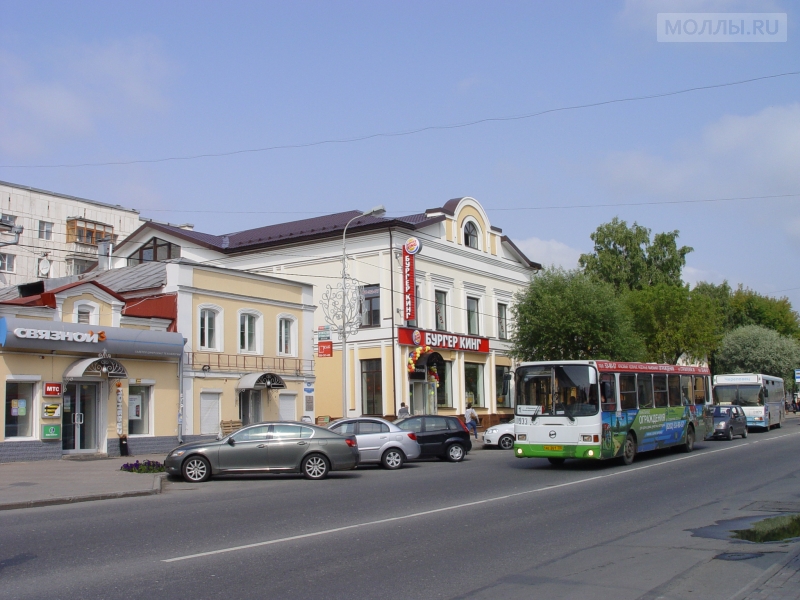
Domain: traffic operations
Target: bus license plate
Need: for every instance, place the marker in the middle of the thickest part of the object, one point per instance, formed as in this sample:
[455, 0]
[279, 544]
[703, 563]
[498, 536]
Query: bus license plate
[555, 448]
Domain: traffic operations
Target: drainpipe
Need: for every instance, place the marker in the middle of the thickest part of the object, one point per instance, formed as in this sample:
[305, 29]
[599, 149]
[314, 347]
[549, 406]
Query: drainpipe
[181, 404]
[391, 288]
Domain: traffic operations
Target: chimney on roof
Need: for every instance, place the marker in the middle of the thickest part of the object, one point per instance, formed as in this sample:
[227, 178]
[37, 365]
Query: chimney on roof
[187, 226]
[105, 247]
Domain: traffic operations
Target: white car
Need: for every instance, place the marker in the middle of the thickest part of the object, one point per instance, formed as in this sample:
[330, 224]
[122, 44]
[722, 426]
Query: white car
[500, 435]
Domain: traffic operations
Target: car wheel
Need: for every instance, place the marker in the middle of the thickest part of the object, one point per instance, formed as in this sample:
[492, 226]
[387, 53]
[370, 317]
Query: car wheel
[688, 446]
[315, 467]
[506, 442]
[196, 469]
[556, 462]
[456, 453]
[729, 435]
[744, 432]
[392, 459]
[629, 451]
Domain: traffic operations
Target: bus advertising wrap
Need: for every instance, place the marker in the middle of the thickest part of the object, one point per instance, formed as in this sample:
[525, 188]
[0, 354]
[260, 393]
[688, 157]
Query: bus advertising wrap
[47, 336]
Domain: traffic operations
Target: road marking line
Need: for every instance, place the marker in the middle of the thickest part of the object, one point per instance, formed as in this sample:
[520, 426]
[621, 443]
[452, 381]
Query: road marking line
[458, 506]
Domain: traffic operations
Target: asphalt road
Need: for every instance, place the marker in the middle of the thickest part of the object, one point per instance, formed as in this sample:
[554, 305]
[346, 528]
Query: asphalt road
[492, 526]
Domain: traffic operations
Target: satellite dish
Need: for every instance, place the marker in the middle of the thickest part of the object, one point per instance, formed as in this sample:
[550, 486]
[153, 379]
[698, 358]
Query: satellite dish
[44, 267]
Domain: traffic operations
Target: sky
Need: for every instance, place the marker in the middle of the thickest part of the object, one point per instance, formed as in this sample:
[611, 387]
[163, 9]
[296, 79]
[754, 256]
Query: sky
[99, 82]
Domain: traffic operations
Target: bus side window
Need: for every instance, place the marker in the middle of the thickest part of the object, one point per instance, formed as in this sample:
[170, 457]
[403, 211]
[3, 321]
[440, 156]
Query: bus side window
[660, 388]
[627, 392]
[645, 385]
[674, 382]
[608, 393]
[686, 390]
[700, 390]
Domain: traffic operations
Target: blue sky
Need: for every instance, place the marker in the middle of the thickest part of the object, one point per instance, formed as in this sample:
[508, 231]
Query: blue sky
[115, 81]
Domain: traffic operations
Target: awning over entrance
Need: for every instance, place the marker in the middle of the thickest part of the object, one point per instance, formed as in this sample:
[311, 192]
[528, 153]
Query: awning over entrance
[96, 367]
[260, 381]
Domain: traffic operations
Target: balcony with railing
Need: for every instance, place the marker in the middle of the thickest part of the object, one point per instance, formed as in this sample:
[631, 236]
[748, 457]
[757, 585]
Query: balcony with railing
[244, 362]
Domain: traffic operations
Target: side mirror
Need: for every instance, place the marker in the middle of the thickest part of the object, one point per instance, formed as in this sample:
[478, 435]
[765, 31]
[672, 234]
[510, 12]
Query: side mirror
[231, 441]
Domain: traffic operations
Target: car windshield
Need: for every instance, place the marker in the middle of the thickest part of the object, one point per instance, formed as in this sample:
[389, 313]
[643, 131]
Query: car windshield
[560, 390]
[721, 411]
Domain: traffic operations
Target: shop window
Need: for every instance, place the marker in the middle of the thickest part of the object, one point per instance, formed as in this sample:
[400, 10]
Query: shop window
[210, 335]
[441, 310]
[19, 409]
[7, 262]
[644, 384]
[371, 306]
[155, 250]
[45, 230]
[371, 387]
[444, 393]
[627, 392]
[88, 232]
[471, 235]
[139, 409]
[473, 384]
[502, 321]
[250, 406]
[608, 393]
[503, 399]
[249, 332]
[286, 336]
[473, 316]
[660, 391]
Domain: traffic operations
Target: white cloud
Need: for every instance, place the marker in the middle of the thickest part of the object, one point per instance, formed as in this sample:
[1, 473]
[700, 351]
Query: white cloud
[753, 155]
[77, 91]
[550, 252]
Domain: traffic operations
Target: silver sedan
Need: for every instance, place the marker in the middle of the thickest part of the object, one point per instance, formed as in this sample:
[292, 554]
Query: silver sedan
[283, 447]
[380, 441]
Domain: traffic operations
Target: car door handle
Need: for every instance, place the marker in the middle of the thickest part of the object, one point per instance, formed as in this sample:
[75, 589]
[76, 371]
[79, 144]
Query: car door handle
[301, 443]
[261, 446]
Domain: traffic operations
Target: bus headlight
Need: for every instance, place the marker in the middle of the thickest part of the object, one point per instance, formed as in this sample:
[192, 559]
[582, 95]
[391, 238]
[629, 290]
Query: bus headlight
[590, 453]
[522, 437]
[586, 438]
[519, 450]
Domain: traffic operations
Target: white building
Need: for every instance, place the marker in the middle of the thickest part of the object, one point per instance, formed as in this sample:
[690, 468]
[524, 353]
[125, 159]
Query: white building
[60, 233]
[467, 273]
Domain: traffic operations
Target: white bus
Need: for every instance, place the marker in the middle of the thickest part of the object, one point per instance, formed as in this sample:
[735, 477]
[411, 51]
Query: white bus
[760, 396]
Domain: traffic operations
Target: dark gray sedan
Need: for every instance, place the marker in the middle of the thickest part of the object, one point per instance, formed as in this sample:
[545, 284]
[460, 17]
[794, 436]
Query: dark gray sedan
[728, 422]
[283, 447]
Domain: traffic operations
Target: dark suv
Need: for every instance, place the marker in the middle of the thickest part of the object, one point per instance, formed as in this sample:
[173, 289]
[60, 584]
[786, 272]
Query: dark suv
[444, 437]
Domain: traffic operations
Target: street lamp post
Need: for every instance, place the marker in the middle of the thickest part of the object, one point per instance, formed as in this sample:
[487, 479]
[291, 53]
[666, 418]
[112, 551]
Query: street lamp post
[377, 211]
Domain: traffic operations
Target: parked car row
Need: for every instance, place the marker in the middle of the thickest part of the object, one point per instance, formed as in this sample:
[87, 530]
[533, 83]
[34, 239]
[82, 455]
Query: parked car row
[289, 447]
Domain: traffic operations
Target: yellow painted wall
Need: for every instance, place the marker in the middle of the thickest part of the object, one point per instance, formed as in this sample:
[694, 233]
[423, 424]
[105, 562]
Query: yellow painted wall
[68, 309]
[328, 390]
[245, 286]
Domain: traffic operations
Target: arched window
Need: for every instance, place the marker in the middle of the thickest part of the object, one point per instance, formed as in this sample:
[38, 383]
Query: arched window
[209, 328]
[87, 312]
[471, 235]
[250, 331]
[287, 335]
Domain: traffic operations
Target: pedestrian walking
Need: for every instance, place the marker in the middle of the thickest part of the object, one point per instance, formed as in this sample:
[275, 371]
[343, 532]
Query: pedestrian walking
[471, 418]
[403, 412]
[794, 407]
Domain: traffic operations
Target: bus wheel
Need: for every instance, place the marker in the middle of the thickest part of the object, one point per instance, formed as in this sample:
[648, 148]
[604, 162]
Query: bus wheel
[556, 462]
[629, 452]
[688, 446]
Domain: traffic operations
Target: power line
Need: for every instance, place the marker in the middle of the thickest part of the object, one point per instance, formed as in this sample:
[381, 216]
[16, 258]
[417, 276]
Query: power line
[407, 132]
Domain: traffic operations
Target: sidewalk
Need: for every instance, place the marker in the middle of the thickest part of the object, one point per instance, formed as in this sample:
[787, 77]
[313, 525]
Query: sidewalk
[781, 582]
[47, 482]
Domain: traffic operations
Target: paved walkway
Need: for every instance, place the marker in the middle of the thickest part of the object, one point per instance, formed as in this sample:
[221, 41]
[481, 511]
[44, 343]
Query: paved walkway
[780, 583]
[45, 482]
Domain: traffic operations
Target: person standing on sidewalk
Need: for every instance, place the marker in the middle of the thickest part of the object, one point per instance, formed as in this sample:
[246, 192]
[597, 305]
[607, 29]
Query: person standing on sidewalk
[403, 412]
[471, 419]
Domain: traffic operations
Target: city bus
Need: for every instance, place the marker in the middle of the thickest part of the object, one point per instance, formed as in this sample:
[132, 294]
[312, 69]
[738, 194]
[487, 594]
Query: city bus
[760, 396]
[597, 410]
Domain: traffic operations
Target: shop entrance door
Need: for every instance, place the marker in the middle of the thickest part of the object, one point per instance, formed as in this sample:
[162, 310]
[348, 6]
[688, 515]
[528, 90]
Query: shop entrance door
[423, 398]
[79, 418]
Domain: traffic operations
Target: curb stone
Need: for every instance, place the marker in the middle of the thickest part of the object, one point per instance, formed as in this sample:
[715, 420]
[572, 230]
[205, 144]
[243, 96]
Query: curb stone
[158, 481]
[767, 575]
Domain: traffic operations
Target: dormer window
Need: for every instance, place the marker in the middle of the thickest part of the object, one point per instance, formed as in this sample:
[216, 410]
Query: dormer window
[155, 250]
[86, 312]
[471, 235]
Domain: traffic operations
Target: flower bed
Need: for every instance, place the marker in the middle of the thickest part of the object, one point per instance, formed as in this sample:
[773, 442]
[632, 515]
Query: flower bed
[146, 466]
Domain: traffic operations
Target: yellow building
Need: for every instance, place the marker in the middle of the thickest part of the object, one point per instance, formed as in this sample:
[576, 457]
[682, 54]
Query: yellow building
[154, 354]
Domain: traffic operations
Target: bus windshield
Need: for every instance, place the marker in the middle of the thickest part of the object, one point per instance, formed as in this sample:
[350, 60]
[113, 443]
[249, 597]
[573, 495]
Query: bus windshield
[725, 394]
[560, 390]
[750, 395]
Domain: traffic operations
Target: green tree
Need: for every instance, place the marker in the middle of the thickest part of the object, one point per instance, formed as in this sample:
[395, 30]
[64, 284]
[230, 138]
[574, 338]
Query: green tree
[628, 259]
[674, 321]
[756, 349]
[567, 315]
[751, 308]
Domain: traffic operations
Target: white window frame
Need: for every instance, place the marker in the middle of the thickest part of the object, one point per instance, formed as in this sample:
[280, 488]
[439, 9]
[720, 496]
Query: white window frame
[4, 262]
[479, 234]
[36, 401]
[478, 315]
[448, 302]
[151, 420]
[293, 334]
[219, 329]
[259, 331]
[94, 311]
[48, 234]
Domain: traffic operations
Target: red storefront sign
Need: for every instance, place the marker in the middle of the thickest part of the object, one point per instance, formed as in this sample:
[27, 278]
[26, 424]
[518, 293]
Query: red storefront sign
[325, 349]
[438, 339]
[52, 389]
[410, 248]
